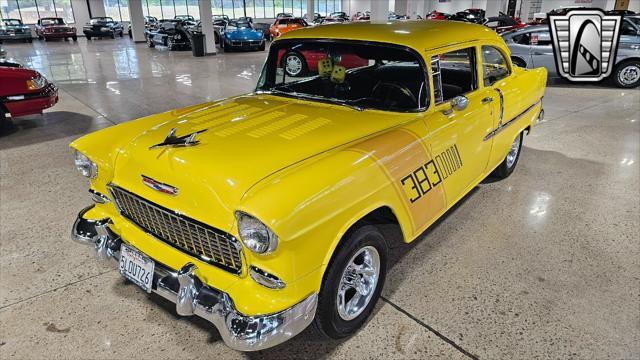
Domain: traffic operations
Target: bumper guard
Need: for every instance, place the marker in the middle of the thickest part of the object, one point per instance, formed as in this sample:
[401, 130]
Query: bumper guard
[192, 297]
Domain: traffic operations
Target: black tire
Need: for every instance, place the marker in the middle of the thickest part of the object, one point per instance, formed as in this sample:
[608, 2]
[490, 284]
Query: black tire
[150, 43]
[113, 35]
[303, 69]
[5, 123]
[130, 35]
[88, 37]
[216, 37]
[519, 62]
[328, 320]
[627, 74]
[30, 40]
[506, 167]
[263, 46]
[122, 33]
[75, 38]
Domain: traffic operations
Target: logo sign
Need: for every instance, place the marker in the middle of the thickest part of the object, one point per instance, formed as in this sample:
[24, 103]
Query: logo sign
[585, 42]
[158, 186]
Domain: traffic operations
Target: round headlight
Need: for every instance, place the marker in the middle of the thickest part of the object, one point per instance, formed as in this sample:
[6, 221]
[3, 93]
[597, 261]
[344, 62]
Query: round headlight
[85, 166]
[255, 235]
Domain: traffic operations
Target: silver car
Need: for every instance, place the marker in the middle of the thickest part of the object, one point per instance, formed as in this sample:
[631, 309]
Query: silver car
[531, 47]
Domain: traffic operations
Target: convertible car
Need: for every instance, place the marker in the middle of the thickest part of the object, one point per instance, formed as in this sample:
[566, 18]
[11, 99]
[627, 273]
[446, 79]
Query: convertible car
[240, 35]
[286, 24]
[55, 28]
[99, 27]
[531, 47]
[14, 29]
[149, 24]
[170, 34]
[262, 213]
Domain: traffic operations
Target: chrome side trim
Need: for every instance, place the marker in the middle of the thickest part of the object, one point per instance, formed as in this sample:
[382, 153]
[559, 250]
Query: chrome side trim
[265, 279]
[502, 126]
[193, 297]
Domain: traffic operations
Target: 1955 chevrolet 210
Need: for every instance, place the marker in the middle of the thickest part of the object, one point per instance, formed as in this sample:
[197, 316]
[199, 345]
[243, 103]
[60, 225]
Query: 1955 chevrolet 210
[261, 213]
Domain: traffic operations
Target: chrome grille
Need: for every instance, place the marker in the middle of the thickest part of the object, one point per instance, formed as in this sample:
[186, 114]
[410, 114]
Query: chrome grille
[191, 236]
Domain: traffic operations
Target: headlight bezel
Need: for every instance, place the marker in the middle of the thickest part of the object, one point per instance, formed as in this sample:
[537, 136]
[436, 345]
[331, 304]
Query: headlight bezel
[85, 166]
[249, 228]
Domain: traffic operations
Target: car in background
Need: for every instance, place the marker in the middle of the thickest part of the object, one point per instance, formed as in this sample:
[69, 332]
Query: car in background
[265, 28]
[304, 61]
[339, 15]
[437, 15]
[360, 14]
[394, 16]
[24, 91]
[186, 19]
[54, 28]
[475, 16]
[283, 15]
[3, 52]
[14, 29]
[531, 47]
[330, 20]
[240, 35]
[103, 26]
[149, 23]
[503, 23]
[620, 12]
[317, 18]
[286, 24]
[171, 34]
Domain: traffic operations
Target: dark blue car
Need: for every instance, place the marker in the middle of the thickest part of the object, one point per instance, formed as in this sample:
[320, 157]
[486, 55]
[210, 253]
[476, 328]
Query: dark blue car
[241, 35]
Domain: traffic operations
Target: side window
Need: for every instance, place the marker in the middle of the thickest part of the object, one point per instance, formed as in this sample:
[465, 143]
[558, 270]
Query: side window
[541, 38]
[494, 65]
[454, 73]
[628, 28]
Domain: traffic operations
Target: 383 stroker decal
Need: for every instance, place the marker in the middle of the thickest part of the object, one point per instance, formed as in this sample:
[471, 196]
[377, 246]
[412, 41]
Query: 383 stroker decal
[419, 182]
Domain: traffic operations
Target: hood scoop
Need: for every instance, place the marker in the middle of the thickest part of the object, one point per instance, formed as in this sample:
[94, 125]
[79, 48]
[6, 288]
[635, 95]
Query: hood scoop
[173, 140]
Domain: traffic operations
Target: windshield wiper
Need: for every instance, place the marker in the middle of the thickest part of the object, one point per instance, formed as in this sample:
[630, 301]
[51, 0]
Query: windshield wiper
[313, 97]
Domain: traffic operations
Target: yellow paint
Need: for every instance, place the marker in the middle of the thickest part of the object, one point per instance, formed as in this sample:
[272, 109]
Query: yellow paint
[311, 170]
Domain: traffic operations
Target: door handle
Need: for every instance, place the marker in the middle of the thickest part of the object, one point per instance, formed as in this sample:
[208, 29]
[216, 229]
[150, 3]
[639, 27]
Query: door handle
[487, 100]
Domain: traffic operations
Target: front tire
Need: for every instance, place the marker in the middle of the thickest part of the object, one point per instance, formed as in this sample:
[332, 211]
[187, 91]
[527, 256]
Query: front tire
[627, 74]
[352, 283]
[511, 160]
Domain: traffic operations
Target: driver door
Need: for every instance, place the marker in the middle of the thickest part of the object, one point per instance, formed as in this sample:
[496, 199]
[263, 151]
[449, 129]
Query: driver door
[457, 132]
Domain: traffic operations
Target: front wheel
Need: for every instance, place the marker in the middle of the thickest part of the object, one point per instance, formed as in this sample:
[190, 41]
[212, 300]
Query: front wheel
[511, 160]
[627, 74]
[352, 284]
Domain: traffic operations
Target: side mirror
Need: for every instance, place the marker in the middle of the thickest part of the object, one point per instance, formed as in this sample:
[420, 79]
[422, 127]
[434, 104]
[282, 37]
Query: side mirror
[459, 103]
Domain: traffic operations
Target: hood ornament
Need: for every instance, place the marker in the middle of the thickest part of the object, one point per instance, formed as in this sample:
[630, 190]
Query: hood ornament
[173, 140]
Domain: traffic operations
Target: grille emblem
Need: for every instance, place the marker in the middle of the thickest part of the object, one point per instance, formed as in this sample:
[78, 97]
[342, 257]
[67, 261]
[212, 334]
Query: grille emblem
[585, 42]
[158, 186]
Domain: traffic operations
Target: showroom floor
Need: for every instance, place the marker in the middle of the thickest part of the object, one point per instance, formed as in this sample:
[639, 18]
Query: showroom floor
[542, 265]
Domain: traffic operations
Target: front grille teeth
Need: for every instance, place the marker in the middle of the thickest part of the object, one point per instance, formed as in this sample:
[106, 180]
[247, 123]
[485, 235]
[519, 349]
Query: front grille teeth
[188, 235]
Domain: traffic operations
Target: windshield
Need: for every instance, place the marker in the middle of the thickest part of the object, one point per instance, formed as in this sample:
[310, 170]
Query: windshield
[52, 21]
[12, 22]
[355, 74]
[235, 25]
[99, 20]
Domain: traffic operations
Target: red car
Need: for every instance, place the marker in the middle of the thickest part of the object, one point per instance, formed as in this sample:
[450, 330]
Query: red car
[504, 23]
[437, 15]
[302, 62]
[55, 28]
[24, 91]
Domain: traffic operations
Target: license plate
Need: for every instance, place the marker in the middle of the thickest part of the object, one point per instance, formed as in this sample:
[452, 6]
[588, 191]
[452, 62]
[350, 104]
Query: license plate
[136, 267]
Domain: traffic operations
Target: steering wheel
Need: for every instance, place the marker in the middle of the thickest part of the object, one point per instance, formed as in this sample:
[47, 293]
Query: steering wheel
[394, 95]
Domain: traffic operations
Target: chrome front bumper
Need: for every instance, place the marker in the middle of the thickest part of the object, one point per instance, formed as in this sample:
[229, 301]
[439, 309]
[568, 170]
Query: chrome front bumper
[192, 297]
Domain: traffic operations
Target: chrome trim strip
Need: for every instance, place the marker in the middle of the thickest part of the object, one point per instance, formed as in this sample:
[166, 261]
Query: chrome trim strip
[517, 117]
[192, 296]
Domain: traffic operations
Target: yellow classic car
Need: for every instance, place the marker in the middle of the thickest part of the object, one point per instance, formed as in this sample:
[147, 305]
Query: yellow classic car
[261, 213]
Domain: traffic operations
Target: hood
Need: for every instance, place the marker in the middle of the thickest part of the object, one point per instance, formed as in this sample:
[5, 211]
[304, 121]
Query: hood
[243, 140]
[244, 34]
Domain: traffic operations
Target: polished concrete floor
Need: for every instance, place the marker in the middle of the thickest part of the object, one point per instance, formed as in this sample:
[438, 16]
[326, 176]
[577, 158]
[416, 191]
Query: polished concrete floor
[542, 265]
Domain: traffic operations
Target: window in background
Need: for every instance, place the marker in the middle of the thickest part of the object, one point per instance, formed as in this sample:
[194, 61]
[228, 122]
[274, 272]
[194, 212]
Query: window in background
[124, 10]
[155, 9]
[250, 8]
[9, 10]
[227, 8]
[216, 7]
[65, 10]
[28, 11]
[259, 9]
[181, 7]
[111, 8]
[269, 9]
[46, 8]
[238, 8]
[168, 9]
[193, 9]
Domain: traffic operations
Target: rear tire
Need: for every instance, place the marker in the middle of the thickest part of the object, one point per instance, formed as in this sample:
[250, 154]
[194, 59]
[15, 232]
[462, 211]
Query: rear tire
[75, 38]
[627, 74]
[511, 160]
[352, 283]
[88, 37]
[294, 64]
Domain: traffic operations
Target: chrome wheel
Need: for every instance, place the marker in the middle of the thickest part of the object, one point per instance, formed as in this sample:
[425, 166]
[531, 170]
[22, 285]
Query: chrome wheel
[513, 152]
[358, 283]
[293, 65]
[629, 75]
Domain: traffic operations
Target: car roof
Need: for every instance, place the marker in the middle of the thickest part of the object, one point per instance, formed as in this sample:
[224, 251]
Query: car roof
[415, 34]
